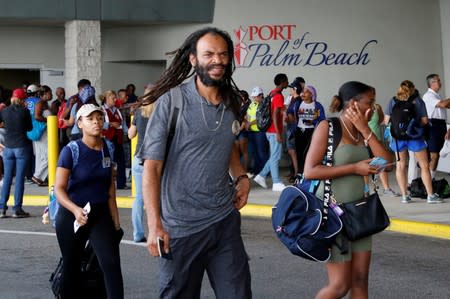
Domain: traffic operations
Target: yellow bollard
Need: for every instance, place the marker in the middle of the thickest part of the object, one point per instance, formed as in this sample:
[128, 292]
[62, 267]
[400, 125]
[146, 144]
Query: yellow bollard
[52, 133]
[133, 150]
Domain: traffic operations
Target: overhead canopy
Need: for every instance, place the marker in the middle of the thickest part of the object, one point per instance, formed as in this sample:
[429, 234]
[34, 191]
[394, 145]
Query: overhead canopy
[129, 11]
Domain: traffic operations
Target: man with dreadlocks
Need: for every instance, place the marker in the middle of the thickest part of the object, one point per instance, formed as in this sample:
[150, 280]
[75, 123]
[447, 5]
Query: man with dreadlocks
[190, 205]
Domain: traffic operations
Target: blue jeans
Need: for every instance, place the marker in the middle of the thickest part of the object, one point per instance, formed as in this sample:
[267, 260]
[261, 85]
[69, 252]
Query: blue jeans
[274, 159]
[14, 158]
[138, 203]
[258, 145]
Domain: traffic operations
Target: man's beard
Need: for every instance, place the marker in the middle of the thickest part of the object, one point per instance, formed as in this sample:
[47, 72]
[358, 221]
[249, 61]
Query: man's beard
[202, 73]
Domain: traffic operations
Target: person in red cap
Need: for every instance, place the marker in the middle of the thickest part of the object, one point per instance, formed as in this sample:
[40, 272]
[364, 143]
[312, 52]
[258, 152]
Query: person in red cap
[17, 121]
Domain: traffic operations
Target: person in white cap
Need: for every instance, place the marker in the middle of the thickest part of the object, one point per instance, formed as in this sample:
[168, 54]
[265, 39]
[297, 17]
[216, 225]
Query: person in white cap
[30, 103]
[256, 138]
[88, 181]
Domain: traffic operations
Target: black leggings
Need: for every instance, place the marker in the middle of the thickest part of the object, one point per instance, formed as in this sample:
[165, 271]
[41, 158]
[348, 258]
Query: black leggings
[302, 142]
[102, 236]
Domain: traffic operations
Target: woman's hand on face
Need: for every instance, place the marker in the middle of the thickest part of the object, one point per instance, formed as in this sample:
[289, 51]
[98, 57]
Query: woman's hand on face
[363, 168]
[357, 117]
[81, 216]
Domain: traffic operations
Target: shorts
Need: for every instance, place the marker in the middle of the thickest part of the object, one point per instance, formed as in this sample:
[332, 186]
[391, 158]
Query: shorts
[415, 145]
[437, 135]
[242, 135]
[361, 245]
[290, 140]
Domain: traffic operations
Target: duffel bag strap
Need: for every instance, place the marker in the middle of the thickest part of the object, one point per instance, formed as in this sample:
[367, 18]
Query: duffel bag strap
[328, 162]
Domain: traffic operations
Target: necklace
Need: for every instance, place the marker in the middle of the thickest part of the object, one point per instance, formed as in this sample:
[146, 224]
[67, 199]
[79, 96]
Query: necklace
[218, 122]
[350, 134]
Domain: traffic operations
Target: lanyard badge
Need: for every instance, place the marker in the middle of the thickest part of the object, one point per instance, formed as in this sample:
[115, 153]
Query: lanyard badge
[106, 161]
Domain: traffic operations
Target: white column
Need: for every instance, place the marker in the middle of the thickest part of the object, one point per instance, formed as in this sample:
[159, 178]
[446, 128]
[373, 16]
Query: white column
[444, 6]
[83, 54]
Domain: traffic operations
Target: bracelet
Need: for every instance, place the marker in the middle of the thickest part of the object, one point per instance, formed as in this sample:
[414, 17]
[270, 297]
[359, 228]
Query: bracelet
[366, 141]
[242, 176]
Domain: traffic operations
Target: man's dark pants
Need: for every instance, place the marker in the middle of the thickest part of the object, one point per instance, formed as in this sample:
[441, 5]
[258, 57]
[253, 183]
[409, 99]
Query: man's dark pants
[220, 251]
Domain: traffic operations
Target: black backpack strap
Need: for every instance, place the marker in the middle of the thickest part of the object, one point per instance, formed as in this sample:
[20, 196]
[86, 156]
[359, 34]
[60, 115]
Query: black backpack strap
[337, 131]
[398, 153]
[176, 106]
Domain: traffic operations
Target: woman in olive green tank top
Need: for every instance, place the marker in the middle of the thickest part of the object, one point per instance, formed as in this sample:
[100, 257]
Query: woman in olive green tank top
[349, 272]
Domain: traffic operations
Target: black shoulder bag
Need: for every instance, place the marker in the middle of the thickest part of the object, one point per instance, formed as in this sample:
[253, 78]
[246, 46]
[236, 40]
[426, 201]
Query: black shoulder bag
[364, 217]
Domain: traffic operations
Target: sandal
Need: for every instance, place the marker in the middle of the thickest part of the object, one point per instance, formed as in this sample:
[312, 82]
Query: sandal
[39, 182]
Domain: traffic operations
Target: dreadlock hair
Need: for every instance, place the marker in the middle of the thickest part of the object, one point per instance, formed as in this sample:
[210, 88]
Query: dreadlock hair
[180, 69]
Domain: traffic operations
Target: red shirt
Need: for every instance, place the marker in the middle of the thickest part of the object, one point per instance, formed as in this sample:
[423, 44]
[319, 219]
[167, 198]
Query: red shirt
[119, 103]
[277, 102]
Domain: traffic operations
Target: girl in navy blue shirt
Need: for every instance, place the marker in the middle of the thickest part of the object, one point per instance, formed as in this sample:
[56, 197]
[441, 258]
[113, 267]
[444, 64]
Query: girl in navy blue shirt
[88, 179]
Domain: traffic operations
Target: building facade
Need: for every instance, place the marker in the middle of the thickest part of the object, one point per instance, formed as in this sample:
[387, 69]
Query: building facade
[327, 42]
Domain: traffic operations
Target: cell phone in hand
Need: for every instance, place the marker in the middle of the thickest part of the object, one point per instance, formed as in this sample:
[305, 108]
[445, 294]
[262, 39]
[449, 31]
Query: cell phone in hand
[380, 163]
[161, 252]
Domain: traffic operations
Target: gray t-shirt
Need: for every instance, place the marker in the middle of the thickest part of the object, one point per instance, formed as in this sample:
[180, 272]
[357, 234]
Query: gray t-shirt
[141, 124]
[194, 190]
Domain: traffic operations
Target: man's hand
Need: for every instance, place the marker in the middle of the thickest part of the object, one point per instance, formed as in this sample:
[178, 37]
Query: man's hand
[152, 244]
[242, 191]
[279, 138]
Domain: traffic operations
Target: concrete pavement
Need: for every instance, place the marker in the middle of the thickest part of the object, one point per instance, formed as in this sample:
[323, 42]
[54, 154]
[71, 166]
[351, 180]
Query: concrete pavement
[417, 217]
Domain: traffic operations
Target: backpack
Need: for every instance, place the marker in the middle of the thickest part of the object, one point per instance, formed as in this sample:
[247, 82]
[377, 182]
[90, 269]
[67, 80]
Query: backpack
[417, 188]
[441, 187]
[264, 113]
[304, 223]
[92, 281]
[402, 119]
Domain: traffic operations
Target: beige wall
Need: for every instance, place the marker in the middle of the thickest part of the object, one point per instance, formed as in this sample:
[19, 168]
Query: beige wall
[118, 75]
[32, 45]
[405, 31]
[445, 33]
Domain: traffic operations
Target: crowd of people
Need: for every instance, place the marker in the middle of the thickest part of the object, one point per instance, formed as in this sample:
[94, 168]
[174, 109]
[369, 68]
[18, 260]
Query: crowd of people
[294, 120]
[183, 176]
[23, 136]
